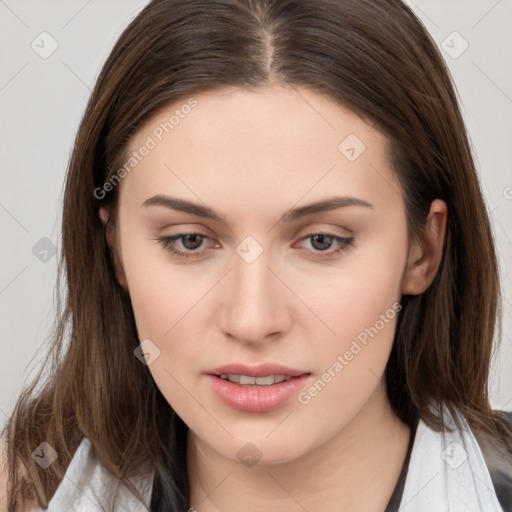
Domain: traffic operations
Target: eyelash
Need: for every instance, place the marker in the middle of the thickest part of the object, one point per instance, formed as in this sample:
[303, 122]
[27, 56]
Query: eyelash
[168, 242]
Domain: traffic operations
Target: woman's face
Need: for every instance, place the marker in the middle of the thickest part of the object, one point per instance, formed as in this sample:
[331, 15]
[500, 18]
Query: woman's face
[262, 276]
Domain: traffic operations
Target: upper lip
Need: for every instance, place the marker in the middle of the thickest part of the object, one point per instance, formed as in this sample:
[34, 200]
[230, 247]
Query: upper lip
[260, 370]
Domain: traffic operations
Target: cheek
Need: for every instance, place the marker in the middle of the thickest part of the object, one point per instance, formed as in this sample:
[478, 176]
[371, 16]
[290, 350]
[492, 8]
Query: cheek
[353, 296]
[161, 292]
[350, 368]
[165, 309]
[167, 301]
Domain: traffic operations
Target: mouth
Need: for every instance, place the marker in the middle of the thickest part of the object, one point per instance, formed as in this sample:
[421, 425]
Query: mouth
[265, 374]
[250, 381]
[256, 388]
[252, 394]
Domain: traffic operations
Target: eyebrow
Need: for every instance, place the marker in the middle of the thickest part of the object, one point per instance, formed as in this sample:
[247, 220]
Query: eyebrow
[333, 203]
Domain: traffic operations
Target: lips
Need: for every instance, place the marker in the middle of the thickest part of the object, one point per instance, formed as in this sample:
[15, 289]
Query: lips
[256, 388]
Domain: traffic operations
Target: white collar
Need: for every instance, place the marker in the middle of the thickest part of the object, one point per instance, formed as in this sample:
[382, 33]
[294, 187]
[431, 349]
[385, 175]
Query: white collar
[447, 472]
[87, 486]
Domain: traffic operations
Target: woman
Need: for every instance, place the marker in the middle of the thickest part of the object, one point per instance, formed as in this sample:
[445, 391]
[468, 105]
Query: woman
[281, 278]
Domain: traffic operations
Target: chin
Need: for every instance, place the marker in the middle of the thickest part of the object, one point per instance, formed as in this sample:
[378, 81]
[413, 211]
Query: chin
[251, 450]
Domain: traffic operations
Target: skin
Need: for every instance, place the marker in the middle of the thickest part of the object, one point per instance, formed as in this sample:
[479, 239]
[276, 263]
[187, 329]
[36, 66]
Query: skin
[250, 156]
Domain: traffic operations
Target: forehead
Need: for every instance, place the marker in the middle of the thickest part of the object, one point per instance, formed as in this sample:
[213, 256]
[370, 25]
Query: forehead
[285, 141]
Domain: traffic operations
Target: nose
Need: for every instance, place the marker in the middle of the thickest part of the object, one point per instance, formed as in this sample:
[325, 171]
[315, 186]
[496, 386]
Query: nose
[254, 307]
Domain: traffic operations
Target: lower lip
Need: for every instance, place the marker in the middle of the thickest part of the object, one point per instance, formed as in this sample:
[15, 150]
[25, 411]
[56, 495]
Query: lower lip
[256, 399]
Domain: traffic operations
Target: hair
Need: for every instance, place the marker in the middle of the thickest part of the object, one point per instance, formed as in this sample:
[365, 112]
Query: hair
[373, 56]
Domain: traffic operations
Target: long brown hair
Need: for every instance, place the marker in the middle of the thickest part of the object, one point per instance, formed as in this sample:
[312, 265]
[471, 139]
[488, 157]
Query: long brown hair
[373, 56]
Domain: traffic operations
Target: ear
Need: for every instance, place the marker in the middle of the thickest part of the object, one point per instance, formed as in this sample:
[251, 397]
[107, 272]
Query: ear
[110, 234]
[425, 254]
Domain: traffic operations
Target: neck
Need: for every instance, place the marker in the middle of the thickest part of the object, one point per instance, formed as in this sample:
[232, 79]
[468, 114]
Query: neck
[355, 470]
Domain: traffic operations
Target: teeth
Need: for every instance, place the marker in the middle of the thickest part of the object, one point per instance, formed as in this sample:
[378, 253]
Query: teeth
[246, 380]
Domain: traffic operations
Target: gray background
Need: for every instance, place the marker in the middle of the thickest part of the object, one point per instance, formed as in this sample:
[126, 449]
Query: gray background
[42, 100]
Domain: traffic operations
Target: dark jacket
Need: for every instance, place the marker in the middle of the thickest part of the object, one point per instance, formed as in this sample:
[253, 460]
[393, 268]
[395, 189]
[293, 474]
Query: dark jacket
[499, 463]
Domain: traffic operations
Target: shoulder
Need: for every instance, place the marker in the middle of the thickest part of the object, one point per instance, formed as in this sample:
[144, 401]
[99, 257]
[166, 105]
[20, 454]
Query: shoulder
[506, 417]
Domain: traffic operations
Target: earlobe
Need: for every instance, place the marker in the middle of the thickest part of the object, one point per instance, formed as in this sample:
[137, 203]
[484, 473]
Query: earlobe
[104, 214]
[110, 234]
[425, 255]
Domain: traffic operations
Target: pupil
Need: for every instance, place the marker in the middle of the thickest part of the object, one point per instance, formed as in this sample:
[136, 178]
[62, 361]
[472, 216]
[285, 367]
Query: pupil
[324, 241]
[196, 241]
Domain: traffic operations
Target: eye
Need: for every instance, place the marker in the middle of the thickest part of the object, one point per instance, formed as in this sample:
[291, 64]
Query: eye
[190, 243]
[322, 243]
